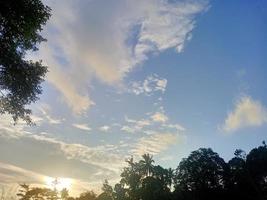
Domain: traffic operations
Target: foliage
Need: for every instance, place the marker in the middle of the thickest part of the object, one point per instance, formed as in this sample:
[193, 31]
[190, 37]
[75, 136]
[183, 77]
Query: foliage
[20, 24]
[89, 195]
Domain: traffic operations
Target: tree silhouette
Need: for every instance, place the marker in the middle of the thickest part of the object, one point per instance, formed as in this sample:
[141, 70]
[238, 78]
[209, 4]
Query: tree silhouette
[23, 191]
[64, 194]
[107, 193]
[257, 166]
[20, 24]
[146, 164]
[119, 192]
[89, 195]
[201, 174]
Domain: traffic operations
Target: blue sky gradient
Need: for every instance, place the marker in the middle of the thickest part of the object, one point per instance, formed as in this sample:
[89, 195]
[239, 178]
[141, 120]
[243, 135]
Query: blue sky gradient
[163, 78]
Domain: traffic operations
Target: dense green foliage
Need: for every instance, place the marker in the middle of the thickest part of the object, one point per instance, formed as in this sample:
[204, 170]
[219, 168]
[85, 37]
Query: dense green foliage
[203, 175]
[20, 24]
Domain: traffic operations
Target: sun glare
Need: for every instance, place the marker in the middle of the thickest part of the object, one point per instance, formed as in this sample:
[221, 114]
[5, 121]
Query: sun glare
[58, 183]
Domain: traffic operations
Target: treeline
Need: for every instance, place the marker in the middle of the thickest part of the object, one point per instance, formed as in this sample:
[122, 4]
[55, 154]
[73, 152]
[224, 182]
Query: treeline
[203, 175]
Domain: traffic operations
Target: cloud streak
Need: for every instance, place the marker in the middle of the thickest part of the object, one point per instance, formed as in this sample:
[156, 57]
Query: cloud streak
[155, 143]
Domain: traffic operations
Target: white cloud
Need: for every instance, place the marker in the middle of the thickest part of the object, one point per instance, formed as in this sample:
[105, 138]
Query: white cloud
[247, 112]
[83, 127]
[150, 85]
[107, 39]
[153, 121]
[139, 124]
[178, 127]
[155, 143]
[104, 128]
[159, 117]
[128, 129]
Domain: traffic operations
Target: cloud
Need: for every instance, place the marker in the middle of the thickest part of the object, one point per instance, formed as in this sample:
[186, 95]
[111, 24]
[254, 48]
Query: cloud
[155, 143]
[104, 128]
[12, 174]
[128, 129]
[150, 85]
[151, 122]
[83, 127]
[107, 39]
[247, 113]
[91, 155]
[159, 117]
[178, 127]
[45, 110]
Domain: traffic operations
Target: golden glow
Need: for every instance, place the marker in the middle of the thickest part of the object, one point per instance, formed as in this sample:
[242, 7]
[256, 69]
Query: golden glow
[58, 183]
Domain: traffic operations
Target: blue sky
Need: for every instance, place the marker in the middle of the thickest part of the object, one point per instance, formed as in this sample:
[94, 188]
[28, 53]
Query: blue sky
[131, 77]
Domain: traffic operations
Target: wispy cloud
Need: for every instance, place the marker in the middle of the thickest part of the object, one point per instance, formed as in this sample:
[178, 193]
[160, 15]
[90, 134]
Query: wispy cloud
[128, 129]
[151, 122]
[246, 113]
[107, 39]
[46, 110]
[155, 143]
[91, 155]
[83, 127]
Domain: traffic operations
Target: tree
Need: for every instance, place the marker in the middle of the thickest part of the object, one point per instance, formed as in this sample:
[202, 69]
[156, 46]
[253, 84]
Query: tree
[201, 174]
[153, 189]
[107, 193]
[20, 24]
[131, 178]
[64, 193]
[146, 164]
[89, 195]
[239, 182]
[119, 192]
[256, 163]
[23, 192]
[36, 193]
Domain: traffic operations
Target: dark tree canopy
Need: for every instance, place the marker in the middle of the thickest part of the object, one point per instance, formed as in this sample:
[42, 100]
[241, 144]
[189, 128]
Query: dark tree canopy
[203, 169]
[20, 24]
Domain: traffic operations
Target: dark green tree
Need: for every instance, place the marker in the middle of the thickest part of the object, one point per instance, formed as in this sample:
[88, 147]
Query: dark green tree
[256, 163]
[107, 193]
[239, 182]
[202, 174]
[89, 195]
[20, 24]
[153, 189]
[120, 192]
[131, 178]
[146, 164]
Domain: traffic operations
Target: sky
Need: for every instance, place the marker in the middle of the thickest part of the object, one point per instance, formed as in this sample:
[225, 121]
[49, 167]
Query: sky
[128, 77]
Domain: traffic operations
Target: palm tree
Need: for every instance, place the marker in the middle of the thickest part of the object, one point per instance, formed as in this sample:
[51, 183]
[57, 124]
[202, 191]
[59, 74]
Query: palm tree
[170, 176]
[147, 164]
